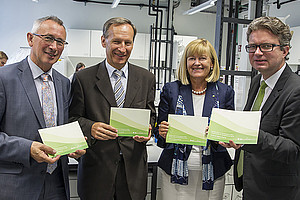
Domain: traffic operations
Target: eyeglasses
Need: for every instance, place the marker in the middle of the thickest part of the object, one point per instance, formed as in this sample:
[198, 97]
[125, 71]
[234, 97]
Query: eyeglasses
[266, 47]
[49, 39]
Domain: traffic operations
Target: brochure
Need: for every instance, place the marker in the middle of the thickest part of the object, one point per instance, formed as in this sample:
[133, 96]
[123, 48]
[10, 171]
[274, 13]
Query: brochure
[184, 129]
[64, 139]
[241, 127]
[130, 121]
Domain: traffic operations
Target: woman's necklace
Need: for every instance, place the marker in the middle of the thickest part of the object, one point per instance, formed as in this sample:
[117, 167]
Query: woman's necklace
[199, 92]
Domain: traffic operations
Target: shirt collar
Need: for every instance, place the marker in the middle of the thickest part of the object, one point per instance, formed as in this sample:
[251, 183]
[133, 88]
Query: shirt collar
[111, 69]
[272, 80]
[36, 71]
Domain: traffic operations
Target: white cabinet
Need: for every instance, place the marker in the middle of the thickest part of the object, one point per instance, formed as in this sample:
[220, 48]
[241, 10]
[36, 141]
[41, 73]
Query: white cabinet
[79, 43]
[179, 44]
[140, 47]
[96, 47]
[295, 43]
[87, 43]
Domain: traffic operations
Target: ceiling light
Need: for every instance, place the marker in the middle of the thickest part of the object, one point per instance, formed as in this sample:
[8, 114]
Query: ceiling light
[115, 3]
[200, 7]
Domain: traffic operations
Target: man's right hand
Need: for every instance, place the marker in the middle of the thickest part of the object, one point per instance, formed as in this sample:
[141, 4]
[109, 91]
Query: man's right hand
[102, 131]
[39, 152]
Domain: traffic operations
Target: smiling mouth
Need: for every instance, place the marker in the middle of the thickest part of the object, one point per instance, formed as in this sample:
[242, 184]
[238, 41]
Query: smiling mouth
[120, 55]
[51, 54]
[198, 68]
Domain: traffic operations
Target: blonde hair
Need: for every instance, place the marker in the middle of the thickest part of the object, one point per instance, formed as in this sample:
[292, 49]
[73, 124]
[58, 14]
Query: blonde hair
[198, 47]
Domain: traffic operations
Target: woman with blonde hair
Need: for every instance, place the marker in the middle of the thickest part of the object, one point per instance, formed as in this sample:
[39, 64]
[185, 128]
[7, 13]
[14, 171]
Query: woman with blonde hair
[190, 171]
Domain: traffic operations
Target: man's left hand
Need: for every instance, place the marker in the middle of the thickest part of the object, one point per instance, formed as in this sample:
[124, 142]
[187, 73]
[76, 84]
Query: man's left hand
[77, 154]
[142, 138]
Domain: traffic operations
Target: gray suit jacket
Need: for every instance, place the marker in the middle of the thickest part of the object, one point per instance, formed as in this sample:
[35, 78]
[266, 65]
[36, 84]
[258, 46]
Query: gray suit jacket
[21, 177]
[272, 167]
[92, 99]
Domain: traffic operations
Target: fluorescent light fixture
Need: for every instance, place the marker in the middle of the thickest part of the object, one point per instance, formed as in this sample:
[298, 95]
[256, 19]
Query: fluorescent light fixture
[115, 3]
[200, 7]
[36, 1]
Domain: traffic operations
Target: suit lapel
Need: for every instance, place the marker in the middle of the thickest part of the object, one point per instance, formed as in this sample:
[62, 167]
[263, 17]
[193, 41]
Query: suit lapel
[26, 78]
[59, 98]
[133, 85]
[276, 90]
[186, 92]
[252, 92]
[209, 100]
[104, 85]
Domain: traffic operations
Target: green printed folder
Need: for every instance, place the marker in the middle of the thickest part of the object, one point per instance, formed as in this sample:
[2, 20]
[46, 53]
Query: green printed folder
[130, 121]
[185, 129]
[64, 139]
[239, 126]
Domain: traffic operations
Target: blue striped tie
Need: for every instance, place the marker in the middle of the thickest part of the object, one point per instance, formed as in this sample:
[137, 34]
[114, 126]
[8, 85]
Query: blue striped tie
[48, 110]
[118, 89]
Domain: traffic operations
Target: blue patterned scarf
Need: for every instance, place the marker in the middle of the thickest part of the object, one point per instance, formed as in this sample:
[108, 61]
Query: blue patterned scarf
[179, 170]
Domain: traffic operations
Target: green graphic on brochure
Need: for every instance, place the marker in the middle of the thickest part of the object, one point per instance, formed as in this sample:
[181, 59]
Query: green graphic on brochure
[64, 139]
[187, 130]
[239, 126]
[130, 122]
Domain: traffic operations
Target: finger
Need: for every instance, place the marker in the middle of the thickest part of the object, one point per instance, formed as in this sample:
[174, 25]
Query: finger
[164, 123]
[47, 149]
[106, 135]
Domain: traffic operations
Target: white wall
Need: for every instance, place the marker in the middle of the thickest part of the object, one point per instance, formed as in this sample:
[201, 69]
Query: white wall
[17, 17]
[291, 9]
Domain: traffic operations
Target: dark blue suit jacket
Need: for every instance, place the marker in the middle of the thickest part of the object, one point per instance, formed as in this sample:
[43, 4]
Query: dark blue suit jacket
[168, 100]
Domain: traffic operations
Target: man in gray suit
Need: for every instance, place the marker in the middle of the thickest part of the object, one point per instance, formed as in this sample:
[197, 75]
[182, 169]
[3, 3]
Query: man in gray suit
[26, 170]
[271, 168]
[113, 167]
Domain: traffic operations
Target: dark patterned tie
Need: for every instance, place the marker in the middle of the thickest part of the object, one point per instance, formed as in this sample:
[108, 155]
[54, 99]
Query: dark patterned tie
[118, 89]
[48, 110]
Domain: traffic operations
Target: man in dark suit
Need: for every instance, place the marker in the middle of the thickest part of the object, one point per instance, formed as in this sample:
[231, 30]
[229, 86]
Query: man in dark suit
[113, 167]
[26, 171]
[271, 168]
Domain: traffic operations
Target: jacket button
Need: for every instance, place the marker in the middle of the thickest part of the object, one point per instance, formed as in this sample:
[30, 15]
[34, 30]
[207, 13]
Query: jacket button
[43, 172]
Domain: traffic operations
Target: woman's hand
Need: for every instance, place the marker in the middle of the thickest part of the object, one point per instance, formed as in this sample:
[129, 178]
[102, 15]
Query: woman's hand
[163, 128]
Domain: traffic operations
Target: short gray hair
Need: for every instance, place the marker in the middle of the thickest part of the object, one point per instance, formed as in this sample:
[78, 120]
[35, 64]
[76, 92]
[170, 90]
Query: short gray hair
[117, 21]
[275, 26]
[37, 23]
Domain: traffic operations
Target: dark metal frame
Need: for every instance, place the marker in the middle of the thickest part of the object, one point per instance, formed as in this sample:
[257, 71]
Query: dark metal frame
[232, 20]
[156, 33]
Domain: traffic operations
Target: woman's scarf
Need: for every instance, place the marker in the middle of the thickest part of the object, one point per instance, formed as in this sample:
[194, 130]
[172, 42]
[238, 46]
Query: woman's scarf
[179, 170]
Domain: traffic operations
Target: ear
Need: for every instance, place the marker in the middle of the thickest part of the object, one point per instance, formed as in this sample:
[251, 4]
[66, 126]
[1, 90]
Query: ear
[103, 42]
[30, 39]
[286, 50]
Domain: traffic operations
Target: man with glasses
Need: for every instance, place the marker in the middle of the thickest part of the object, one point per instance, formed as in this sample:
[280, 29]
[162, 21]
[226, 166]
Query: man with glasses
[271, 168]
[33, 96]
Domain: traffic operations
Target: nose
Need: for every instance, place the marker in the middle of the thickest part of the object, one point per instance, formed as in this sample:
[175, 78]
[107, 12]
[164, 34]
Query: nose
[258, 51]
[53, 45]
[122, 47]
[197, 61]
